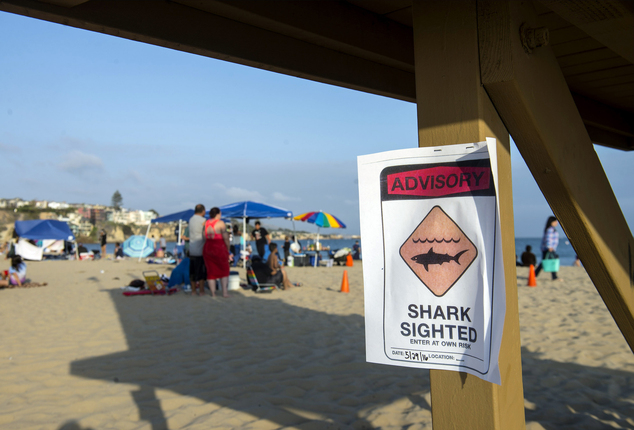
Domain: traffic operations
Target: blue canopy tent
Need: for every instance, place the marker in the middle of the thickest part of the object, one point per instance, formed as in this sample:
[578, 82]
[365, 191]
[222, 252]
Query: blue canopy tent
[248, 209]
[177, 216]
[43, 229]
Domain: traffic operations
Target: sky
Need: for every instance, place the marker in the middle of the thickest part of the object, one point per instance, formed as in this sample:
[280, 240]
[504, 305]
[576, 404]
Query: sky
[84, 114]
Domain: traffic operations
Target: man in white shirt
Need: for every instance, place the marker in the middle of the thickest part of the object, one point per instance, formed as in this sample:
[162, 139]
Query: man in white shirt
[197, 271]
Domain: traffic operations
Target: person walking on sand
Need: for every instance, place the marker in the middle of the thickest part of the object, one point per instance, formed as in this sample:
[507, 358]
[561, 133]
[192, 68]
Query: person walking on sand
[550, 241]
[197, 273]
[216, 252]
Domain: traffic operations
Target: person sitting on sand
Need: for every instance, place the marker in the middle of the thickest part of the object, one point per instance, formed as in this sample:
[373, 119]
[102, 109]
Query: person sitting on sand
[528, 257]
[16, 275]
[118, 251]
[81, 249]
[278, 274]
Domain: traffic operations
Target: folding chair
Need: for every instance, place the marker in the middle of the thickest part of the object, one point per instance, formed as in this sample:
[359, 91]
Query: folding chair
[257, 286]
[155, 285]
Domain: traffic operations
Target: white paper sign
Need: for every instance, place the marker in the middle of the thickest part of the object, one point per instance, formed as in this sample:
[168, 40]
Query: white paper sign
[432, 258]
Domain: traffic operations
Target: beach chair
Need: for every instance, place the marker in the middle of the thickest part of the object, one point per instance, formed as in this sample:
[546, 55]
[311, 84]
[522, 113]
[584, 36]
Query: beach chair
[155, 284]
[256, 286]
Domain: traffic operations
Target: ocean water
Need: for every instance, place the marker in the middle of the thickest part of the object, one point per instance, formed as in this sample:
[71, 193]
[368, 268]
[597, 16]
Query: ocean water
[565, 250]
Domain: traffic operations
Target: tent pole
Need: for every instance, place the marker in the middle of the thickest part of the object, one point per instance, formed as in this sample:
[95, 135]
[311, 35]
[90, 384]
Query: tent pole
[317, 248]
[145, 240]
[243, 245]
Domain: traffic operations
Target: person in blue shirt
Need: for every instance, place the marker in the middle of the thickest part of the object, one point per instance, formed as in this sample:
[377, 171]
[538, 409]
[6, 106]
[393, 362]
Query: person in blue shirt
[550, 241]
[356, 250]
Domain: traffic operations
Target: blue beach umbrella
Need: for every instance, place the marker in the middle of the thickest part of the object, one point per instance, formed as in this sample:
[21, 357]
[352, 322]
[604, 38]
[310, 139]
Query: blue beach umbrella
[138, 246]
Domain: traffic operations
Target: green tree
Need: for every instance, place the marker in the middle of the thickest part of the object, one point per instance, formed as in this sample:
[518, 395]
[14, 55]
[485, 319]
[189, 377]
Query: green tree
[117, 200]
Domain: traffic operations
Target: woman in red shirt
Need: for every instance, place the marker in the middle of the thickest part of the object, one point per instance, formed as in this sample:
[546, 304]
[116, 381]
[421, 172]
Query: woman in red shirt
[216, 252]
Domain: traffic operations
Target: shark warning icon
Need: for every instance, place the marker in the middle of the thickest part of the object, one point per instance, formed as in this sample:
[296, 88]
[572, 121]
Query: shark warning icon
[438, 251]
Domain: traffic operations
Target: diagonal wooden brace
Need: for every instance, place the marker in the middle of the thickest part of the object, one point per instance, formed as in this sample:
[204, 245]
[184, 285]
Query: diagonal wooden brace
[532, 98]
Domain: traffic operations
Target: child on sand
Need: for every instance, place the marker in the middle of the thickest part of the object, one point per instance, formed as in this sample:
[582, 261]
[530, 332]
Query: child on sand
[16, 275]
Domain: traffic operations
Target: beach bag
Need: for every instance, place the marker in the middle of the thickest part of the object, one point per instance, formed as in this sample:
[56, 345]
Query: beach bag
[550, 263]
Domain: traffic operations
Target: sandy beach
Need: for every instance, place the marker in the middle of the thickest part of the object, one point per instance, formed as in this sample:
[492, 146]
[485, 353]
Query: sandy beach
[77, 354]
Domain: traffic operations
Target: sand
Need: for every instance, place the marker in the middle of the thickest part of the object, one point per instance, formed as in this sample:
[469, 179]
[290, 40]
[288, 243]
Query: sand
[77, 354]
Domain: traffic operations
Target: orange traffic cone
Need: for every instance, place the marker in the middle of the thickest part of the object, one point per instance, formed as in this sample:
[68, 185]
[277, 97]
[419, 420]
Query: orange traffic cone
[532, 281]
[349, 260]
[344, 283]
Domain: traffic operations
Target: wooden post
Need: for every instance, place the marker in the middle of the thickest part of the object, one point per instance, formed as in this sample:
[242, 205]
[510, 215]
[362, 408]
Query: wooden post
[529, 91]
[454, 108]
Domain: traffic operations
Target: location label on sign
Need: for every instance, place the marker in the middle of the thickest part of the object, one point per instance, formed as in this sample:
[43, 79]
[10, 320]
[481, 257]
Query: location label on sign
[433, 273]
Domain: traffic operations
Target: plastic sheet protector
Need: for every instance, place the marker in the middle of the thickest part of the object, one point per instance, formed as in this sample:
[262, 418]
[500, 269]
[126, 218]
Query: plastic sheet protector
[432, 258]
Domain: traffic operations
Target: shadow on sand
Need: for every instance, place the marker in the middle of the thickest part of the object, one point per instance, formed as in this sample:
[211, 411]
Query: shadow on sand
[295, 367]
[264, 357]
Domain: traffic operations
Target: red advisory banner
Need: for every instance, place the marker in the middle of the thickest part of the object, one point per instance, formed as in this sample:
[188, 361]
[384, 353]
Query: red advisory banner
[439, 181]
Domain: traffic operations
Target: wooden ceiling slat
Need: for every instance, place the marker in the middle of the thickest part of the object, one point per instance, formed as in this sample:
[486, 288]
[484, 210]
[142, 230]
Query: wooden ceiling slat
[615, 74]
[585, 57]
[594, 66]
[564, 35]
[576, 46]
[552, 21]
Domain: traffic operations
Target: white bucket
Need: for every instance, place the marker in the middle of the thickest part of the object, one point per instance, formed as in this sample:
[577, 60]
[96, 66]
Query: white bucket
[291, 261]
[234, 281]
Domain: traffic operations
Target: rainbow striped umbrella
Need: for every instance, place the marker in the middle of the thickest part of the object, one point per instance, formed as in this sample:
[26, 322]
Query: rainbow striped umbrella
[320, 219]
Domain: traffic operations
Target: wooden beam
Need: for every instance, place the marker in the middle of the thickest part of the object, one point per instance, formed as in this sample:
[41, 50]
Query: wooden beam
[611, 22]
[606, 126]
[184, 28]
[339, 26]
[531, 95]
[454, 108]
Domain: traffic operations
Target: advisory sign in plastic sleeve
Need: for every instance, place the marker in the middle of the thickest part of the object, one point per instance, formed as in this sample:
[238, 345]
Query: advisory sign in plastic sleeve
[432, 258]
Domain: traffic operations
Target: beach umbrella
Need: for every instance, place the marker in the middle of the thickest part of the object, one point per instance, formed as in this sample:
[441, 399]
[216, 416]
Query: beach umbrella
[321, 220]
[138, 246]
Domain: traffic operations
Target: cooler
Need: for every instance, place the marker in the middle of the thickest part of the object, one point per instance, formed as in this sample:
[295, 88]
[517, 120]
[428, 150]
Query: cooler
[234, 281]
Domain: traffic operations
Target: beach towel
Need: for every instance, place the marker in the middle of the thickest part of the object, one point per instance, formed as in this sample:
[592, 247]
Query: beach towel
[180, 274]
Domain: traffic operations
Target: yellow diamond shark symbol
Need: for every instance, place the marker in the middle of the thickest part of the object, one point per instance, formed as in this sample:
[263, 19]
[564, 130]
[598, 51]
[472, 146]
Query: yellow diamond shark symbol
[438, 251]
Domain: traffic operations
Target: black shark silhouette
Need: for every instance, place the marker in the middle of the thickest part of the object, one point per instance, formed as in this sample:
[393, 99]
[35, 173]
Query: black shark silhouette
[432, 258]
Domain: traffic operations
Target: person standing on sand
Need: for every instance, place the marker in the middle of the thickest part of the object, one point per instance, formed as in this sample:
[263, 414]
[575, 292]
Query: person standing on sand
[287, 249]
[236, 244]
[262, 238]
[103, 237]
[550, 241]
[216, 252]
[356, 251]
[197, 273]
